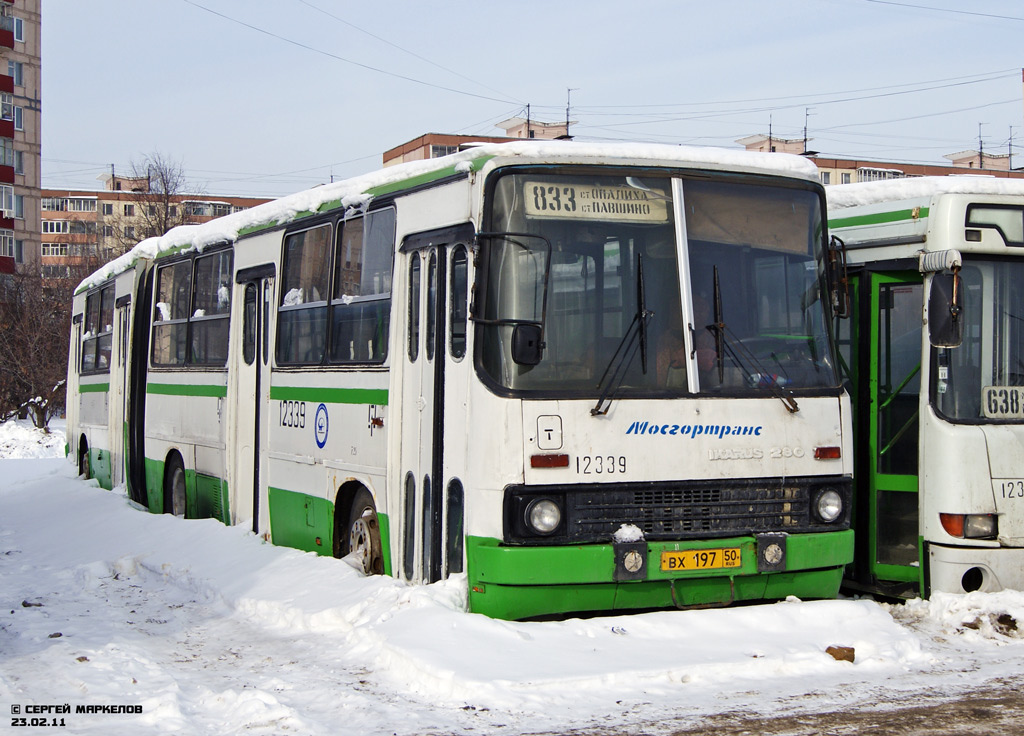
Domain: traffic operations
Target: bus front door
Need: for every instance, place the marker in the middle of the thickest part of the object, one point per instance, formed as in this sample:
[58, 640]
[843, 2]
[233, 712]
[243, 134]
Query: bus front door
[894, 386]
[423, 421]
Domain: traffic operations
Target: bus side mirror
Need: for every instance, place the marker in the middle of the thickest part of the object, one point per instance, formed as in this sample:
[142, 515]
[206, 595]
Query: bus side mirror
[946, 310]
[526, 344]
[837, 278]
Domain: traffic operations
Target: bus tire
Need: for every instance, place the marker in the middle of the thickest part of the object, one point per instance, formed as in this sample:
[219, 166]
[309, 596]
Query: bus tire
[362, 534]
[174, 486]
[84, 466]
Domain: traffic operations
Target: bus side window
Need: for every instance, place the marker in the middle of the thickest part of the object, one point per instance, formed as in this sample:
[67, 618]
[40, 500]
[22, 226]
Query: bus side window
[211, 305]
[460, 293]
[361, 301]
[302, 317]
[170, 315]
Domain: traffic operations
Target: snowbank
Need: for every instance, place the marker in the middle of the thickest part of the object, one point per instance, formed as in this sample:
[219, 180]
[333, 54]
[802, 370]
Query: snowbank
[210, 630]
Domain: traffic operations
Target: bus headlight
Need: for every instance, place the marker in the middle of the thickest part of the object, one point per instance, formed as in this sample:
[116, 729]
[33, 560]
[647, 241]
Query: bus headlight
[543, 516]
[970, 526]
[829, 505]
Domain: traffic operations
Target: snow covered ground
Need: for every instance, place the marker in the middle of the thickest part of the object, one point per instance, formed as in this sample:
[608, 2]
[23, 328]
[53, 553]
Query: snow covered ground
[211, 631]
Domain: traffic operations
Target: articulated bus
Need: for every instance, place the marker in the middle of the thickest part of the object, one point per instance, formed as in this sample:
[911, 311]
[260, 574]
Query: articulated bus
[934, 353]
[584, 377]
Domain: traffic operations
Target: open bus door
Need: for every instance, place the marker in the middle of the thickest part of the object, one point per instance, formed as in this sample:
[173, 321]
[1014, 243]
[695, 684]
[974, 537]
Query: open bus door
[882, 356]
[248, 404]
[135, 410]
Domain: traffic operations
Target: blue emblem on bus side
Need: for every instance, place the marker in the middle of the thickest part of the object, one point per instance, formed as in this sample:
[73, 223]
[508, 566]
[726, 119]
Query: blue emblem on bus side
[320, 426]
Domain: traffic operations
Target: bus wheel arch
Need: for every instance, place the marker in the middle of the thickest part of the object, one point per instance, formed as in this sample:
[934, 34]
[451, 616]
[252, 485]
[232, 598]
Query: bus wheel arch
[84, 464]
[357, 528]
[175, 493]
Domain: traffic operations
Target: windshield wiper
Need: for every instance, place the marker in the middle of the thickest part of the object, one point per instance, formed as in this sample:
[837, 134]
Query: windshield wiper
[734, 347]
[634, 339]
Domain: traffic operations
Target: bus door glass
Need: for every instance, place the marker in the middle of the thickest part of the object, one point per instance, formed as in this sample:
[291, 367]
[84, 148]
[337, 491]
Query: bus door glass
[422, 423]
[436, 376]
[894, 388]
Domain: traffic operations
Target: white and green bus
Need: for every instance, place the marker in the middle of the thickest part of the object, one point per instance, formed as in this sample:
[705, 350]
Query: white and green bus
[587, 377]
[934, 353]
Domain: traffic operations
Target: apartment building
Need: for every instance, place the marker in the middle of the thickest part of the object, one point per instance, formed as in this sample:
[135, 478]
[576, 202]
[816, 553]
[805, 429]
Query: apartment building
[82, 229]
[434, 145]
[20, 134]
[848, 171]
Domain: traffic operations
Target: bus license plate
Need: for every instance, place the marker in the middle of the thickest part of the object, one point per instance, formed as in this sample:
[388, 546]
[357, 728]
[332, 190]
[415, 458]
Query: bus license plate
[700, 559]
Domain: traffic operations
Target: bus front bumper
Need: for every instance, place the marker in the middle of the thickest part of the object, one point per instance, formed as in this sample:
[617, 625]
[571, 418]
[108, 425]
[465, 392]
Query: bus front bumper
[967, 569]
[519, 582]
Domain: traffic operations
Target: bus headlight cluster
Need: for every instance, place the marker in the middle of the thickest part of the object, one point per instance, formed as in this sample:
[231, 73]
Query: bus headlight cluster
[828, 506]
[543, 516]
[970, 526]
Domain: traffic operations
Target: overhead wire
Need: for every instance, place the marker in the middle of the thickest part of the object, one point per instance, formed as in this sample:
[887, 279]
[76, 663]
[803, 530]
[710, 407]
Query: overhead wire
[328, 54]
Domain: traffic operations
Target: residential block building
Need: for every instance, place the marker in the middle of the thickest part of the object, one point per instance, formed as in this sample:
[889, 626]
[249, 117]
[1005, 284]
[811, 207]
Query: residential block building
[20, 134]
[82, 229]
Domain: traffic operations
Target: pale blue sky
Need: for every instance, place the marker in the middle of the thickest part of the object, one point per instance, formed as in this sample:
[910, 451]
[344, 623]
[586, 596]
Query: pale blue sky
[266, 97]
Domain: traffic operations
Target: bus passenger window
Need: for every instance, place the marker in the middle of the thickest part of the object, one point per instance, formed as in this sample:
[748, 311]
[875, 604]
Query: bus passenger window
[170, 315]
[211, 305]
[457, 316]
[302, 317]
[98, 335]
[361, 301]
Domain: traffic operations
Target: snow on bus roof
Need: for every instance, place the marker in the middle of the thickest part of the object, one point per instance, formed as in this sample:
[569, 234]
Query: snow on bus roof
[357, 192]
[842, 196]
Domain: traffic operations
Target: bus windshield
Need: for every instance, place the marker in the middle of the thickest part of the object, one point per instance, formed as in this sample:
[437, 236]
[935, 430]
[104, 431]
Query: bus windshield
[983, 378]
[594, 259]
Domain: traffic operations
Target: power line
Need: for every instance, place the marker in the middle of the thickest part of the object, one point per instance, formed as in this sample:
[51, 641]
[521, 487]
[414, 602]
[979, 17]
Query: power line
[329, 55]
[945, 10]
[919, 86]
[400, 48]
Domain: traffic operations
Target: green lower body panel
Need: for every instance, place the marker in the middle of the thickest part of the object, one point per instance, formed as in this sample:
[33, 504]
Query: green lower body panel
[206, 496]
[99, 467]
[307, 523]
[155, 485]
[211, 498]
[301, 521]
[519, 582]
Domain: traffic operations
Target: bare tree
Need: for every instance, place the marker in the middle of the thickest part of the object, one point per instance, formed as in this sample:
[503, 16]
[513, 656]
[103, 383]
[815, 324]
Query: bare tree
[156, 194]
[35, 319]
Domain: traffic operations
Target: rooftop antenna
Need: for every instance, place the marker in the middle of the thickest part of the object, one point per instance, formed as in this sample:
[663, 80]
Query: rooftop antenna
[770, 149]
[568, 99]
[807, 114]
[981, 149]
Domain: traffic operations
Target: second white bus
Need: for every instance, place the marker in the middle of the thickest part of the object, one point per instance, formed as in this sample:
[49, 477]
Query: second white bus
[935, 356]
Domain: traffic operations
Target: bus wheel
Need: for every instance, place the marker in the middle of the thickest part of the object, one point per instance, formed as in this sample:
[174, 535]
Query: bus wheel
[174, 487]
[83, 459]
[364, 535]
